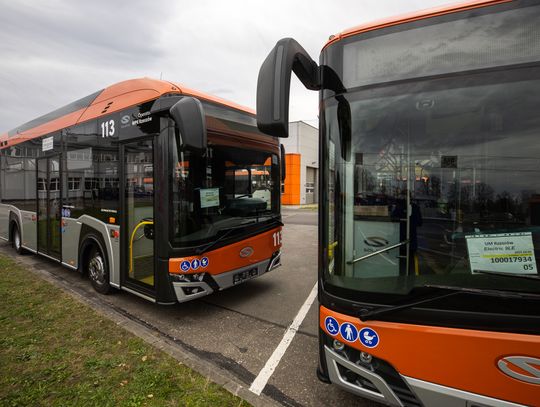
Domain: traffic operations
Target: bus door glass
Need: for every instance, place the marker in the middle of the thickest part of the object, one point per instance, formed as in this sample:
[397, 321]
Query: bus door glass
[139, 212]
[49, 206]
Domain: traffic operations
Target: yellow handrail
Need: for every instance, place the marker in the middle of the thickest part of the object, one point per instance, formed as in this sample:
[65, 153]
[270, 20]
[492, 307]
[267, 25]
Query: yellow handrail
[144, 222]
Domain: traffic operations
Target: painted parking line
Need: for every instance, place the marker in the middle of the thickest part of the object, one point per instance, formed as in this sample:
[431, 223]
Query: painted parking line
[264, 375]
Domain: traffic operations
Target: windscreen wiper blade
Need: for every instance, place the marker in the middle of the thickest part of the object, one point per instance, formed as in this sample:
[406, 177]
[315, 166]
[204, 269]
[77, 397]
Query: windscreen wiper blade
[227, 232]
[496, 273]
[377, 312]
[377, 252]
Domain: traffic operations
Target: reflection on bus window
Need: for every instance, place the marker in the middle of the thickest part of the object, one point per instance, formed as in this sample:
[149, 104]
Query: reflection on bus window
[227, 188]
[438, 175]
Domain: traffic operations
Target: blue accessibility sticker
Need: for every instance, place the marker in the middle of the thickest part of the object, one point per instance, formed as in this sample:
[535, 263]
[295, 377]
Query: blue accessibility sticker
[368, 337]
[332, 326]
[195, 263]
[348, 332]
[184, 266]
[204, 262]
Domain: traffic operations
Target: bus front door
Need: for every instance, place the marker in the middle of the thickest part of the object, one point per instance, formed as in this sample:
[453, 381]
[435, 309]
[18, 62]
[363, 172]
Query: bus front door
[49, 219]
[138, 204]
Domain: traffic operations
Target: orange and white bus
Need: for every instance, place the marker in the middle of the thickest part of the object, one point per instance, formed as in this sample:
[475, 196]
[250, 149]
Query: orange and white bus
[137, 186]
[429, 222]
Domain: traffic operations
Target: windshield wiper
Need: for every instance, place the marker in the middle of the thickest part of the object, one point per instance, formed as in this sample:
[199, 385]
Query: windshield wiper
[377, 312]
[227, 232]
[496, 273]
[375, 253]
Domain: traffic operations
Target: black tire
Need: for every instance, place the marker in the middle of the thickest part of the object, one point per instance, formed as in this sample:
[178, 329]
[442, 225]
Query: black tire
[97, 267]
[16, 241]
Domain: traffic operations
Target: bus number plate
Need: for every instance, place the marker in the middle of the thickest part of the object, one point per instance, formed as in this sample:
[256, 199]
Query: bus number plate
[242, 276]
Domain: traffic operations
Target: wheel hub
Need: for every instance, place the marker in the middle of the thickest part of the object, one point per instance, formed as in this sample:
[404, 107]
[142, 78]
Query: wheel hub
[96, 269]
[17, 240]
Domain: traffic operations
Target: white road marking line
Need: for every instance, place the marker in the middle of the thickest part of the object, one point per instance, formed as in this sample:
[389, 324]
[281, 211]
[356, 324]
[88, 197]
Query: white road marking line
[264, 375]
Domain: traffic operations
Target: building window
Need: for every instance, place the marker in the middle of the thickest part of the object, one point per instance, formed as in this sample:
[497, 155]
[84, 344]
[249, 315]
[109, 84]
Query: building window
[55, 184]
[74, 183]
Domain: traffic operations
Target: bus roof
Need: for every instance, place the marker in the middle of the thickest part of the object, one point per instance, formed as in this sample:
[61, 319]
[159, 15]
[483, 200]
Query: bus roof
[417, 15]
[111, 99]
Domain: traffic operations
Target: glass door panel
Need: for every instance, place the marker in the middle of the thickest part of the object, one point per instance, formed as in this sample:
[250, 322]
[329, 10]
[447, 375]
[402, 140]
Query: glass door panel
[139, 210]
[42, 199]
[49, 206]
[54, 207]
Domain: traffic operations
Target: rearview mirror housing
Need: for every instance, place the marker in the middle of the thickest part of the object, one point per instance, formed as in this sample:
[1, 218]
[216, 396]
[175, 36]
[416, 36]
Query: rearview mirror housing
[274, 82]
[188, 114]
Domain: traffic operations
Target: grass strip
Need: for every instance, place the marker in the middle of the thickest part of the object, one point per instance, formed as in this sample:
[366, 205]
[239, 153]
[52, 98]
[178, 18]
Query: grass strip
[56, 351]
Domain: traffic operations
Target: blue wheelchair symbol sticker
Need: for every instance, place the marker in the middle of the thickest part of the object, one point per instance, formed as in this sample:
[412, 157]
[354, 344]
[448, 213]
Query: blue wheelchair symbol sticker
[348, 332]
[195, 263]
[184, 266]
[204, 262]
[332, 326]
[368, 337]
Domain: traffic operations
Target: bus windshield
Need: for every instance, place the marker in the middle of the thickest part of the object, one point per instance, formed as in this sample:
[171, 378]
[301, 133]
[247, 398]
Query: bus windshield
[440, 185]
[222, 189]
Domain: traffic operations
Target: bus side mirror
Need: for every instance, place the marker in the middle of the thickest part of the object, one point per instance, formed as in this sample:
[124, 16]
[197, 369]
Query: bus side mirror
[283, 163]
[188, 114]
[274, 82]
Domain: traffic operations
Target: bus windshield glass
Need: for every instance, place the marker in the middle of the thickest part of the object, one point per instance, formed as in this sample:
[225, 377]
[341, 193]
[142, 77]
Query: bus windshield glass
[435, 181]
[228, 186]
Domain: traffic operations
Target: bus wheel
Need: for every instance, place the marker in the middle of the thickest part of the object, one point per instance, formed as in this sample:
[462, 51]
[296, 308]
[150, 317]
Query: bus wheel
[98, 271]
[16, 241]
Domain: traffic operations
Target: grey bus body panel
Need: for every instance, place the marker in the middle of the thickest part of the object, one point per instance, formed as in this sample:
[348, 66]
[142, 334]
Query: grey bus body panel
[71, 232]
[70, 241]
[27, 226]
[8, 213]
[223, 280]
[25, 221]
[432, 394]
[4, 221]
[29, 230]
[429, 394]
[112, 246]
[384, 394]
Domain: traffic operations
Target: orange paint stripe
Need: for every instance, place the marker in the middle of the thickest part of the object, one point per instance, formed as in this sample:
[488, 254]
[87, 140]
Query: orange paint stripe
[414, 16]
[459, 358]
[123, 94]
[228, 258]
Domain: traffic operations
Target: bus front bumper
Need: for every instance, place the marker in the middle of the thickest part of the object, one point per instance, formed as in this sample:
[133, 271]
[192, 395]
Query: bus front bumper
[363, 381]
[206, 284]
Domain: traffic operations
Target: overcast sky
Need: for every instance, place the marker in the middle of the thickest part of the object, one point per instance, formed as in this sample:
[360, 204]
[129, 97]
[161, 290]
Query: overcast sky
[54, 52]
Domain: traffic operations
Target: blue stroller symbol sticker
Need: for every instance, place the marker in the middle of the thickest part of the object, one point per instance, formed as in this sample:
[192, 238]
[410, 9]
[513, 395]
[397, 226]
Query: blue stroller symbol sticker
[348, 332]
[204, 262]
[369, 338]
[332, 326]
[184, 266]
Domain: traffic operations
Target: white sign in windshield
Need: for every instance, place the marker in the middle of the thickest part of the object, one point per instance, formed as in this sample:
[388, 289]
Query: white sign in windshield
[503, 253]
[209, 197]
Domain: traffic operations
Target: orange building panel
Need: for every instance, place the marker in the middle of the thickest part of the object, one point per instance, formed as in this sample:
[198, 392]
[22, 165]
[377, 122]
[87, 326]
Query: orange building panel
[291, 194]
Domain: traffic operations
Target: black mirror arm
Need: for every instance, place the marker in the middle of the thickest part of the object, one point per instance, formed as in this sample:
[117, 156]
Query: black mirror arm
[188, 113]
[307, 71]
[274, 83]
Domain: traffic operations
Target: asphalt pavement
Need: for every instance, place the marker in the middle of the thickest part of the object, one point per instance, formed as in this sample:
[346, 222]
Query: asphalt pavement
[238, 330]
